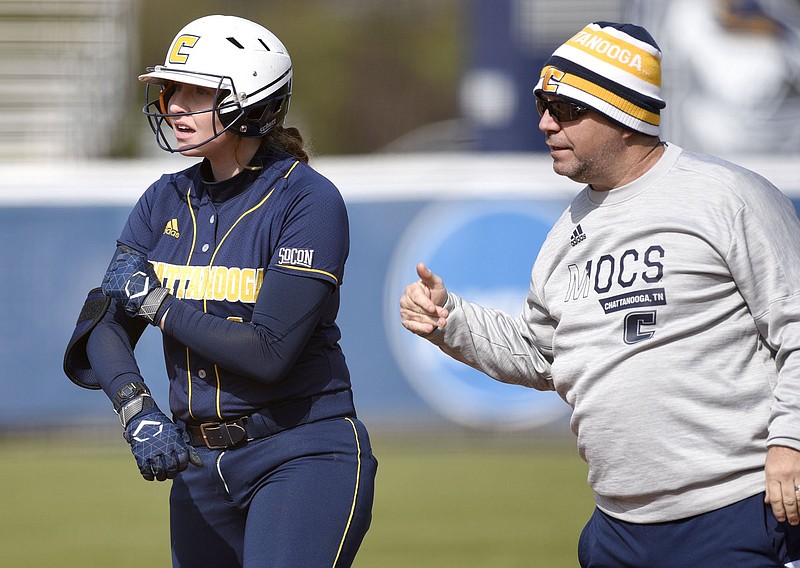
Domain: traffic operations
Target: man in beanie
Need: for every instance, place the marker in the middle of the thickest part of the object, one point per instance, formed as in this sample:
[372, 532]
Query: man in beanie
[664, 307]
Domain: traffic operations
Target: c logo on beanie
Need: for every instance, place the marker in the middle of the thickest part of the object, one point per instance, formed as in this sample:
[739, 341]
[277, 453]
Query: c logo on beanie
[554, 75]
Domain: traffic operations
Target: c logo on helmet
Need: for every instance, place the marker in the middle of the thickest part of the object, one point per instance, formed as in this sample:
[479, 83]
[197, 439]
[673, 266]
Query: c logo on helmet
[551, 79]
[177, 54]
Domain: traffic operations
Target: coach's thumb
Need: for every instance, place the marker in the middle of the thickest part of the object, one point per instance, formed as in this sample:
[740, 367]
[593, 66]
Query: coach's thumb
[434, 287]
[427, 276]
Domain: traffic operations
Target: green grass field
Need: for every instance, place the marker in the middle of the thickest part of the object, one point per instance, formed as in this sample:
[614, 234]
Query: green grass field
[447, 501]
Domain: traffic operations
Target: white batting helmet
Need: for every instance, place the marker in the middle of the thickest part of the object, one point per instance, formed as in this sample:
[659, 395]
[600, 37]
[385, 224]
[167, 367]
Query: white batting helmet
[247, 65]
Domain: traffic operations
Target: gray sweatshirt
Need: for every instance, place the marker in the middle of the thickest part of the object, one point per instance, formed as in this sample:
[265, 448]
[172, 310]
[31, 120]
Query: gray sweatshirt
[666, 313]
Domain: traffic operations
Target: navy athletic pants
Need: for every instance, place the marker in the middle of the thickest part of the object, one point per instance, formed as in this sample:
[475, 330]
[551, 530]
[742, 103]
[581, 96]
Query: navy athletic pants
[299, 498]
[742, 535]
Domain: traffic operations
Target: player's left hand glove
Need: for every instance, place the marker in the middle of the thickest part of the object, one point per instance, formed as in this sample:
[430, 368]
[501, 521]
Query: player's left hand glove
[131, 279]
[158, 446]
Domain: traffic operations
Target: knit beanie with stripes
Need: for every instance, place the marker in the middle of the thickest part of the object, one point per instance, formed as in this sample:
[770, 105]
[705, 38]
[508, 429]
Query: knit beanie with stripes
[615, 69]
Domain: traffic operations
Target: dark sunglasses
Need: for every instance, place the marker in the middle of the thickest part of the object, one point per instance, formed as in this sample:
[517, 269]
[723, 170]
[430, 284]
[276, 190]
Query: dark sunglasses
[561, 111]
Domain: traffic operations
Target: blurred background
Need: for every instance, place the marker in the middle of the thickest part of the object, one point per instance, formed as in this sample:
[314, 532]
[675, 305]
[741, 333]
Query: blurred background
[403, 76]
[420, 111]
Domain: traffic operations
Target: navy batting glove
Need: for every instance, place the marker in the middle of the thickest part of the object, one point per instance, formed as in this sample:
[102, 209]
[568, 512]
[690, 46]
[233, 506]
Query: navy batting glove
[158, 446]
[131, 279]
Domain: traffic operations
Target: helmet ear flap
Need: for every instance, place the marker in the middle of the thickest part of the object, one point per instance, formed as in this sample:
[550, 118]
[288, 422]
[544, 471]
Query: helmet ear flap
[264, 116]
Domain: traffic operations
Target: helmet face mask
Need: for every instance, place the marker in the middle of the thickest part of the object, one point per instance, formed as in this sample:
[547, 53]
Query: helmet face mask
[156, 108]
[246, 66]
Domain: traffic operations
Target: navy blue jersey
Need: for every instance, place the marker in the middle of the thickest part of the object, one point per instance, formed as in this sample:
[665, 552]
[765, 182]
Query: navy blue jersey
[213, 246]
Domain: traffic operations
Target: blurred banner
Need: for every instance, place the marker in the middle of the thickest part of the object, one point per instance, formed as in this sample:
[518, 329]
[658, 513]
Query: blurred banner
[507, 43]
[731, 72]
[478, 220]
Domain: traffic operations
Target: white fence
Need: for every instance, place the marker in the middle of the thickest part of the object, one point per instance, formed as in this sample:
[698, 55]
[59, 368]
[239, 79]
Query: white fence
[63, 69]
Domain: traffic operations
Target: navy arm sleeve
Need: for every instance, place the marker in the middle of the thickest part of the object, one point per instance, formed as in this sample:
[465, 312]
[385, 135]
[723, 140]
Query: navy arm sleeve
[110, 349]
[285, 315]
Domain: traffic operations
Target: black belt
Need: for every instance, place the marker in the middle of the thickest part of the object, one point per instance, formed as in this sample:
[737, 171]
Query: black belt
[219, 435]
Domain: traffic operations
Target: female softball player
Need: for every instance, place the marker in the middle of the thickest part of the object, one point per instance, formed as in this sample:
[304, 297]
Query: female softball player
[238, 260]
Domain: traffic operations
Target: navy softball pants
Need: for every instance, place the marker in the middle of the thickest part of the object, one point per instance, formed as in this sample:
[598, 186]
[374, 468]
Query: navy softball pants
[300, 498]
[742, 535]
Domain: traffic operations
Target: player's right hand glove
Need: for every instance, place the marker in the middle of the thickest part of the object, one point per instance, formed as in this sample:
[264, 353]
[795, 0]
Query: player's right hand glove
[131, 279]
[158, 445]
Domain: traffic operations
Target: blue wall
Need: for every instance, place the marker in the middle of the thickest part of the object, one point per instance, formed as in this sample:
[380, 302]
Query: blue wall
[54, 255]
[481, 239]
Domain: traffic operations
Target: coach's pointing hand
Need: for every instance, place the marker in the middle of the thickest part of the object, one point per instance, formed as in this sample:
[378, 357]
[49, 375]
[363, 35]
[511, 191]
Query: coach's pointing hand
[421, 309]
